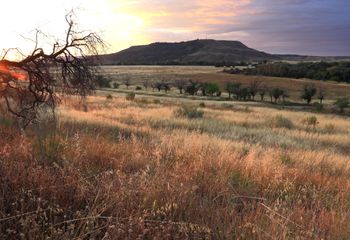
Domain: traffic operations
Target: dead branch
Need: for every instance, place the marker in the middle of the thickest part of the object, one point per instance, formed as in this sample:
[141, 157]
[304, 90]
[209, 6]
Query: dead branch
[37, 80]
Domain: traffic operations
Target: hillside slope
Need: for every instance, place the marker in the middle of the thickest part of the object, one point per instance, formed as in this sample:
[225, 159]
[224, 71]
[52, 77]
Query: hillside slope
[191, 52]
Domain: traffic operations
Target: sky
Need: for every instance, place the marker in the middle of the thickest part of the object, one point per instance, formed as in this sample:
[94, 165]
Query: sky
[310, 27]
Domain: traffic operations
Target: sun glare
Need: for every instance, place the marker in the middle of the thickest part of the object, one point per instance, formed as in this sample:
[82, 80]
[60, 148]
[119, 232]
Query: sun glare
[118, 25]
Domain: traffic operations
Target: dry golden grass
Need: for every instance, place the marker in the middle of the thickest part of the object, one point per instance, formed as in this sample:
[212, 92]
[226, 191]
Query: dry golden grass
[132, 170]
[138, 74]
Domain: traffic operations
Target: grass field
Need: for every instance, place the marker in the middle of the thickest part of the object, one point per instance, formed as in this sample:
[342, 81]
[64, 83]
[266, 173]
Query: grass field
[138, 74]
[117, 169]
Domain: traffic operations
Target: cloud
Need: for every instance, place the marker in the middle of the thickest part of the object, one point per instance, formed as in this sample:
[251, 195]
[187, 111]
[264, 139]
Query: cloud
[318, 27]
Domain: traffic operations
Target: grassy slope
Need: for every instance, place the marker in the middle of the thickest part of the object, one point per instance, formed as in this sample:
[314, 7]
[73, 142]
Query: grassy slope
[237, 173]
[138, 74]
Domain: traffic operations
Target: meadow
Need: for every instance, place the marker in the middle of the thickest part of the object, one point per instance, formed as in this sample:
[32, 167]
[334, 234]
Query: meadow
[173, 168]
[137, 75]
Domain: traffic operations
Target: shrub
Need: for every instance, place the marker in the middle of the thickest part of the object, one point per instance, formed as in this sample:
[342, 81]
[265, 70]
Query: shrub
[109, 97]
[138, 88]
[286, 160]
[318, 106]
[116, 85]
[130, 96]
[189, 112]
[202, 104]
[242, 183]
[142, 100]
[156, 101]
[329, 128]
[247, 109]
[341, 104]
[227, 106]
[280, 122]
[310, 121]
[103, 82]
[48, 149]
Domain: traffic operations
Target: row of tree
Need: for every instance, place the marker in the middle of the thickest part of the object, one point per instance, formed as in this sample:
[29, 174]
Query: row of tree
[235, 90]
[335, 71]
[190, 87]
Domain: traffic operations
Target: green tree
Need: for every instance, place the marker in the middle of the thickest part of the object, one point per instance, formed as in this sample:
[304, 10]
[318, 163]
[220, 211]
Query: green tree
[243, 94]
[309, 92]
[103, 82]
[232, 88]
[210, 89]
[276, 94]
[342, 103]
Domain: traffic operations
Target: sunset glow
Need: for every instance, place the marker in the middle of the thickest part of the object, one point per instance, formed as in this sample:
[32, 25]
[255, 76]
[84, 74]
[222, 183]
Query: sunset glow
[12, 72]
[289, 26]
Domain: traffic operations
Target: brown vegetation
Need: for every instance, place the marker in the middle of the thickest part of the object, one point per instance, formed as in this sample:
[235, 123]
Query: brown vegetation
[130, 170]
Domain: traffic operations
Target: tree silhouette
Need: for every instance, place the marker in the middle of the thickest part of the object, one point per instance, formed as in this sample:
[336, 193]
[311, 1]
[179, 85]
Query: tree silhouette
[309, 92]
[39, 79]
[253, 88]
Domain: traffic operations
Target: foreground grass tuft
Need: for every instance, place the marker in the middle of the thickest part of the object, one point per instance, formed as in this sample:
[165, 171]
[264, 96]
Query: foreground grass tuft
[189, 112]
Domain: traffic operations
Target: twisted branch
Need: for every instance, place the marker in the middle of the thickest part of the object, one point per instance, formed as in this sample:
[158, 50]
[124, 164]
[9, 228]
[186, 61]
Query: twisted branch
[36, 80]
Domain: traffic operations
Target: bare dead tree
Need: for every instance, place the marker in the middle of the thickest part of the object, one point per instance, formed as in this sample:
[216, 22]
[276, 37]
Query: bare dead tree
[262, 92]
[37, 80]
[166, 86]
[145, 83]
[180, 84]
[127, 82]
[253, 88]
[158, 86]
[321, 94]
[193, 87]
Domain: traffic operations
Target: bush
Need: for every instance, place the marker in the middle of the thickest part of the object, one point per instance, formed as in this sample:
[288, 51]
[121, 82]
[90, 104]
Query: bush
[286, 160]
[202, 104]
[188, 112]
[103, 82]
[109, 97]
[116, 85]
[318, 106]
[247, 109]
[329, 128]
[48, 148]
[227, 106]
[130, 96]
[310, 121]
[341, 104]
[156, 101]
[138, 88]
[242, 183]
[142, 100]
[280, 122]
